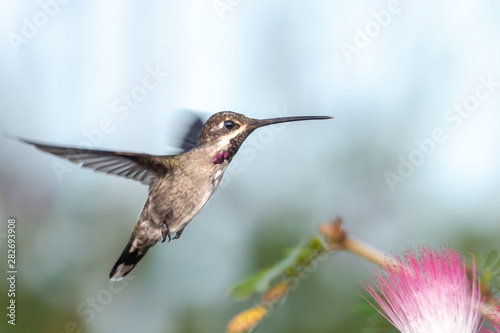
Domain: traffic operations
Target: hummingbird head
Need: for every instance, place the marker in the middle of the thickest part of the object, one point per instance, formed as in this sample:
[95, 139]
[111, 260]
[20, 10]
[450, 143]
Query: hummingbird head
[226, 131]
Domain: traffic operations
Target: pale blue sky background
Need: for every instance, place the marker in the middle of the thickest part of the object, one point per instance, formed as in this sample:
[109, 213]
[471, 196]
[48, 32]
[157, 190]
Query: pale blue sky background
[262, 59]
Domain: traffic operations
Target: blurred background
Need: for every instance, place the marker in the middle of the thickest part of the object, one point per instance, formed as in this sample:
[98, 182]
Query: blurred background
[412, 156]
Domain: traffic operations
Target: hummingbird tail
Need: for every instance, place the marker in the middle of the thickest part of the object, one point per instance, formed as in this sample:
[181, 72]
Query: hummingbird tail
[127, 261]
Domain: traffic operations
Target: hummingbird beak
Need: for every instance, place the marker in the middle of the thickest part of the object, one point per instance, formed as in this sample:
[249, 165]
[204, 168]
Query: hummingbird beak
[264, 122]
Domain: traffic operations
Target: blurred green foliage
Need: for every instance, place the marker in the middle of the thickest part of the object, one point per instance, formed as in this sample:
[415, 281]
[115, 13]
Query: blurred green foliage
[327, 300]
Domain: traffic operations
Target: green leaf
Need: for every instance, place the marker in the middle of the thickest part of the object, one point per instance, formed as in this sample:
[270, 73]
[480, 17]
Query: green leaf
[496, 267]
[496, 282]
[289, 266]
[260, 282]
[316, 244]
[478, 259]
[486, 276]
[246, 288]
[492, 257]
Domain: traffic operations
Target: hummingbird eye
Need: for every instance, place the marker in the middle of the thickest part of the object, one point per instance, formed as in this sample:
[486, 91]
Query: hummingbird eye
[228, 124]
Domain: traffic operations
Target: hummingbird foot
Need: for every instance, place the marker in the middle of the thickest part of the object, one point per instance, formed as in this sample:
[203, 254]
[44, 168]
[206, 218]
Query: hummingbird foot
[165, 232]
[178, 233]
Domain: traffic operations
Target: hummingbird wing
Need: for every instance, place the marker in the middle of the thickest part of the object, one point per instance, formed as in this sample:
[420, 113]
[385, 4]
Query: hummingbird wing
[191, 137]
[140, 167]
[183, 129]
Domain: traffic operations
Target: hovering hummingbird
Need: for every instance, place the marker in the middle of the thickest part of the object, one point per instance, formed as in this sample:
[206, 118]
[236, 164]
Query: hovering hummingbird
[179, 185]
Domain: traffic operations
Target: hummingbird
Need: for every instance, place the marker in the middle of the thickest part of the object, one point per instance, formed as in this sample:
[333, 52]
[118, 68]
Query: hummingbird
[179, 185]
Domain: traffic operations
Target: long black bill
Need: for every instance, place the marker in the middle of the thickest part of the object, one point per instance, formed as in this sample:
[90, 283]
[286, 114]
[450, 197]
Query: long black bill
[264, 122]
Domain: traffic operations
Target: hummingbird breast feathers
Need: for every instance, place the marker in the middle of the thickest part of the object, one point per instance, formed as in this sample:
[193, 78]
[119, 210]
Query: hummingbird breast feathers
[174, 200]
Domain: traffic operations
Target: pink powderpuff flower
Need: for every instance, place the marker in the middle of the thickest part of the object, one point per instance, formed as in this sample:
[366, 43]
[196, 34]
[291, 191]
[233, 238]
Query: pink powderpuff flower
[494, 317]
[429, 292]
